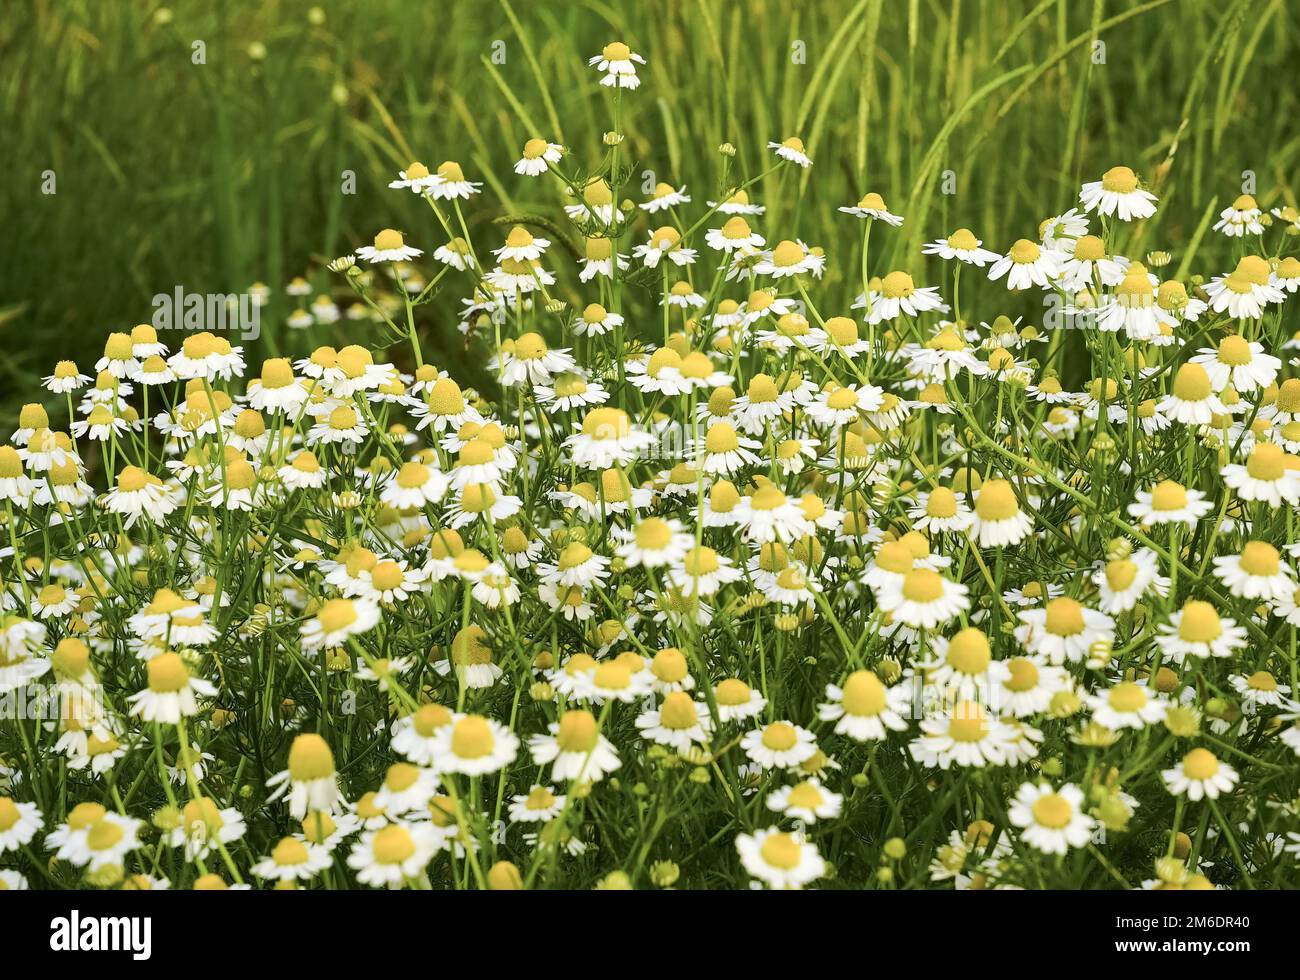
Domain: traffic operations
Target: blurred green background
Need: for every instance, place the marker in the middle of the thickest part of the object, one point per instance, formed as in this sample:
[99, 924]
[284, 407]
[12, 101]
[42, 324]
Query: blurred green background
[219, 174]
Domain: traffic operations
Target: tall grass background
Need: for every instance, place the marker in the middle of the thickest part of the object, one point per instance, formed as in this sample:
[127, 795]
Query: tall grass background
[215, 175]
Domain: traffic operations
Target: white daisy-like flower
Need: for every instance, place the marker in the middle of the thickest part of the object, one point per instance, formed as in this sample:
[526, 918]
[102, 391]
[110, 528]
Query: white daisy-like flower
[791, 149]
[963, 246]
[1124, 581]
[171, 694]
[1028, 264]
[1264, 477]
[1118, 194]
[1238, 362]
[998, 521]
[415, 178]
[872, 205]
[1126, 705]
[474, 746]
[779, 745]
[865, 709]
[575, 749]
[1051, 821]
[1064, 630]
[1256, 573]
[807, 801]
[964, 735]
[395, 854]
[618, 63]
[1169, 502]
[900, 296]
[676, 722]
[293, 860]
[778, 859]
[924, 599]
[537, 157]
[1240, 218]
[19, 823]
[389, 246]
[1197, 630]
[1200, 775]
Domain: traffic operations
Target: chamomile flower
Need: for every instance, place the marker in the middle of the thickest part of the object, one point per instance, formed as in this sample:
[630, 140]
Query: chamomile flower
[537, 156]
[1027, 264]
[780, 860]
[1240, 218]
[171, 694]
[872, 205]
[1051, 821]
[415, 178]
[676, 722]
[807, 801]
[1118, 194]
[336, 621]
[1064, 630]
[963, 246]
[293, 860]
[394, 854]
[964, 736]
[1169, 502]
[1126, 705]
[451, 184]
[1192, 400]
[1256, 573]
[1238, 362]
[389, 246]
[575, 749]
[618, 64]
[1200, 775]
[19, 823]
[865, 709]
[474, 746]
[998, 521]
[1123, 582]
[1265, 477]
[924, 599]
[791, 149]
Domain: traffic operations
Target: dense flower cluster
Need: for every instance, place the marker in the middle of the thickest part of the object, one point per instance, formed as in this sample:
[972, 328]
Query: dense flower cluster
[735, 576]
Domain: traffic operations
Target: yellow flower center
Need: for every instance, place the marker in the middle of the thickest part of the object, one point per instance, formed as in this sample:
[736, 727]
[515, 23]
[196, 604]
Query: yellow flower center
[733, 692]
[969, 652]
[1168, 495]
[1127, 697]
[1024, 675]
[779, 736]
[1064, 617]
[1200, 764]
[1052, 811]
[1200, 622]
[1119, 180]
[653, 534]
[1234, 350]
[1120, 574]
[104, 835]
[310, 759]
[290, 852]
[337, 614]
[678, 712]
[897, 285]
[1260, 558]
[393, 845]
[388, 239]
[963, 240]
[996, 501]
[472, 738]
[167, 674]
[922, 585]
[1024, 252]
[781, 851]
[1266, 462]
